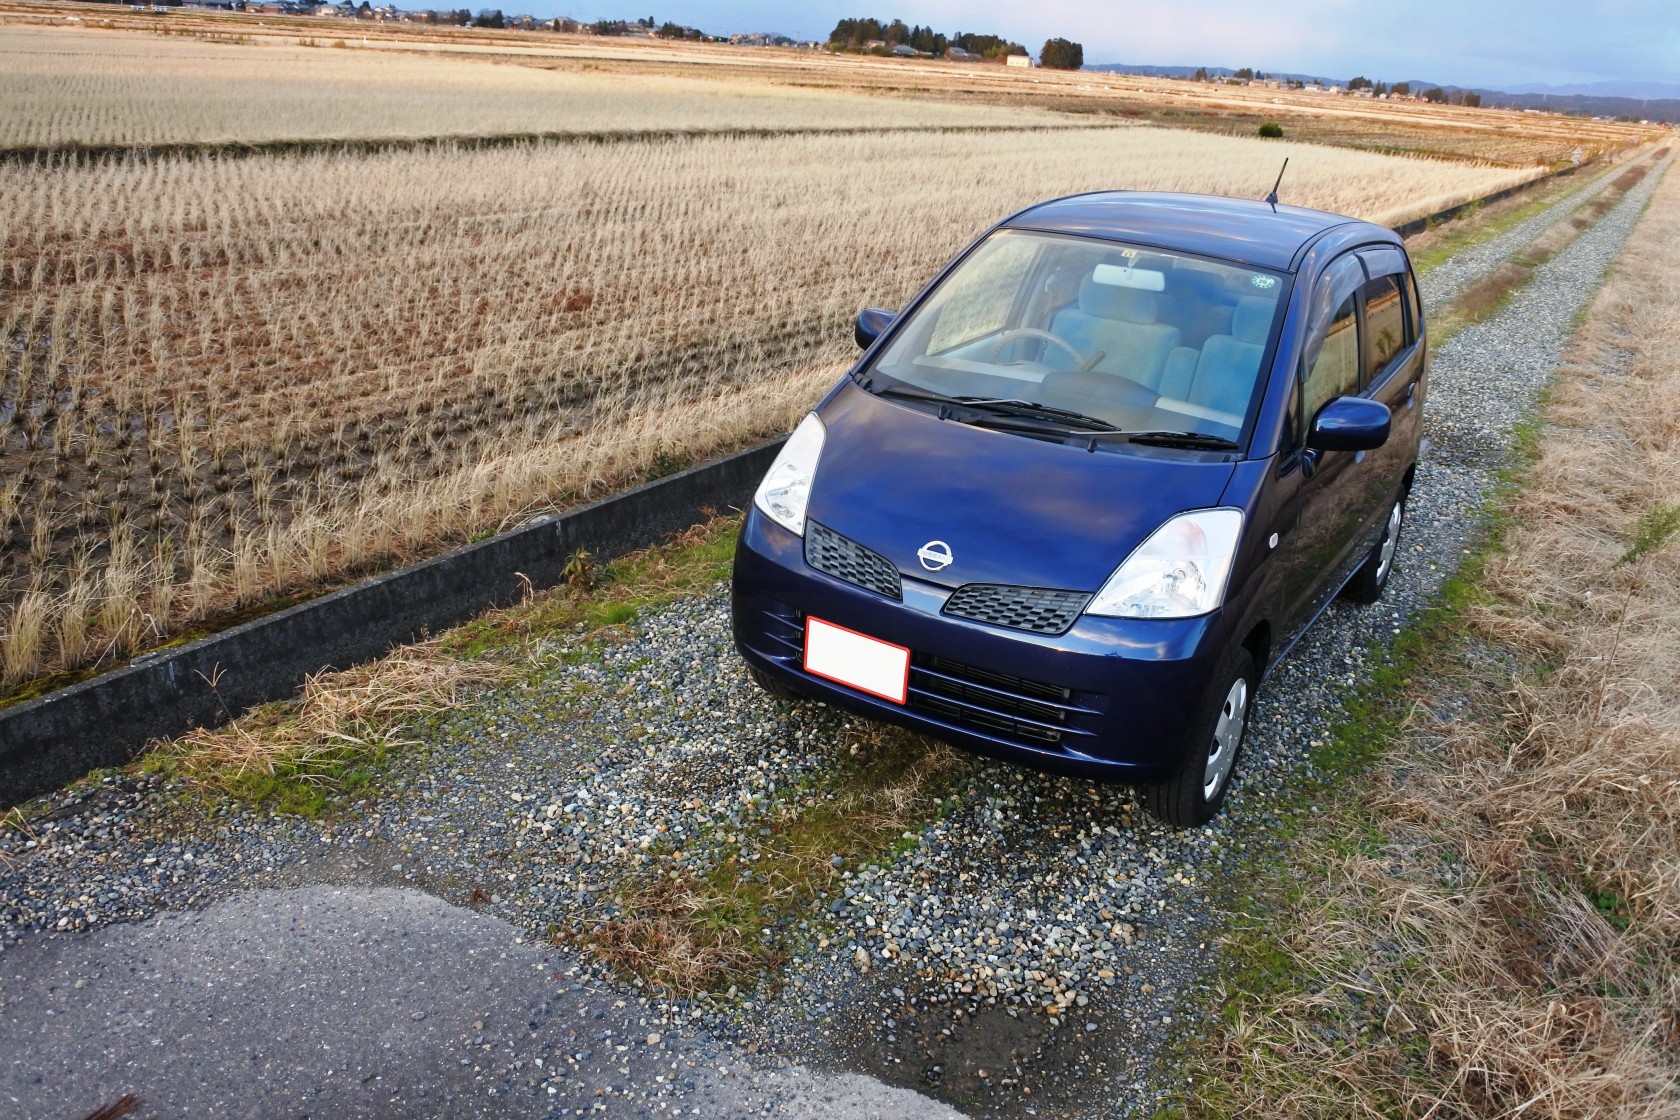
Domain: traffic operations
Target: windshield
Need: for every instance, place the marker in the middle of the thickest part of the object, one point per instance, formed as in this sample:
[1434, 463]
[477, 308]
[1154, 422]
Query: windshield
[1131, 338]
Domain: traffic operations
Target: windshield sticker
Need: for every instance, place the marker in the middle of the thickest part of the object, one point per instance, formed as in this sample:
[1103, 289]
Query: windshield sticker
[1263, 282]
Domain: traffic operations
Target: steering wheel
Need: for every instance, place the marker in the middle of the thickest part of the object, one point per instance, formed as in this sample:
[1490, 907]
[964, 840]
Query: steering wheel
[1014, 333]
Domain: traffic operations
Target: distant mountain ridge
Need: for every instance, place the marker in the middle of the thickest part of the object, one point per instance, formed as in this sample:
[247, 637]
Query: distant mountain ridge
[1652, 101]
[1213, 72]
[1638, 91]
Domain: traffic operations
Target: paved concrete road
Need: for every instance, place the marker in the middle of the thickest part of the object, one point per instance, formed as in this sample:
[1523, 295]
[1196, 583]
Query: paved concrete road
[330, 1002]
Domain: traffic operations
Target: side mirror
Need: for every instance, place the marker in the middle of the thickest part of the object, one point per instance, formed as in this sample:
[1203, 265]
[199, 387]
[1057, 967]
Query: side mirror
[1349, 424]
[871, 321]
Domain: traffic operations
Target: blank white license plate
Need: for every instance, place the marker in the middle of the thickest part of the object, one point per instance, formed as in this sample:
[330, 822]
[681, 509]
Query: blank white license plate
[857, 660]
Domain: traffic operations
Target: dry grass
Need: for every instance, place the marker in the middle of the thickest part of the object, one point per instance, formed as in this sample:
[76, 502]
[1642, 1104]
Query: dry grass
[229, 379]
[295, 753]
[1503, 941]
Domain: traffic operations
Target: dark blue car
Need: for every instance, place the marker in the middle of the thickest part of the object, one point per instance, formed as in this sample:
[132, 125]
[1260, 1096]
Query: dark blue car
[1093, 482]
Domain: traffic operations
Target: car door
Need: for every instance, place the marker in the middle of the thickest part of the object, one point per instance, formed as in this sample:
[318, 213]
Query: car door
[1394, 364]
[1329, 495]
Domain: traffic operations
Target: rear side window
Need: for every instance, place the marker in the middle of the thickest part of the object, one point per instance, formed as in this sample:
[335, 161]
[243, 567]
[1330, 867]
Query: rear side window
[1385, 324]
[1335, 372]
[1414, 306]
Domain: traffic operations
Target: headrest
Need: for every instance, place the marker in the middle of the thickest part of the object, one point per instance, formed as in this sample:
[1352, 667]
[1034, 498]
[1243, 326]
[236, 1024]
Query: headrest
[1110, 301]
[1252, 320]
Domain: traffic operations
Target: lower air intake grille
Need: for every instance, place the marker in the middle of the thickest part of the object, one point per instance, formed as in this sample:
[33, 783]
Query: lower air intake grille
[1037, 609]
[996, 703]
[828, 551]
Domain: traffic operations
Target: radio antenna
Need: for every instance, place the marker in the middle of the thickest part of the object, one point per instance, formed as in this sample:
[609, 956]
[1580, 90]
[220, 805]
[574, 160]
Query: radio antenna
[1272, 198]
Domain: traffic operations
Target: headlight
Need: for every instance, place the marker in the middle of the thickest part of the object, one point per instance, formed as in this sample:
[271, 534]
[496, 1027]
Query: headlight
[1179, 572]
[786, 488]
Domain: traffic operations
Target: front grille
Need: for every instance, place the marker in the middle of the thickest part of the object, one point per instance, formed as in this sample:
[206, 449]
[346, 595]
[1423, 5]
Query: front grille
[843, 558]
[1001, 705]
[1009, 707]
[1037, 609]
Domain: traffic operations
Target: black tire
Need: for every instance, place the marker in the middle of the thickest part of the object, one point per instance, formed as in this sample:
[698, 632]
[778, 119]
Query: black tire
[1184, 800]
[774, 687]
[1368, 582]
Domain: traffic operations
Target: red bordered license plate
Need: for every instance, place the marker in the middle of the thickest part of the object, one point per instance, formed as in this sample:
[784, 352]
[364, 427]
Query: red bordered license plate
[857, 660]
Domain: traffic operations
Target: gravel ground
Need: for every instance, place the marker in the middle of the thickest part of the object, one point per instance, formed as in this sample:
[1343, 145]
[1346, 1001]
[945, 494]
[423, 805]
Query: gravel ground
[1026, 953]
[1452, 276]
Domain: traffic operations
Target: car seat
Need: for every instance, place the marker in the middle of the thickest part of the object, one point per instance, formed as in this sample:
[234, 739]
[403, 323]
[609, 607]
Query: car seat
[1119, 322]
[1221, 376]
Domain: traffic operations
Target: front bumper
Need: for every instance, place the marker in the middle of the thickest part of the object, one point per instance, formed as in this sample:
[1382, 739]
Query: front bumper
[1110, 699]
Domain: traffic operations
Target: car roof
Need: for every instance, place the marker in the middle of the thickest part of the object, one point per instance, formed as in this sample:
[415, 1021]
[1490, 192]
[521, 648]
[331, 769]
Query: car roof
[1237, 229]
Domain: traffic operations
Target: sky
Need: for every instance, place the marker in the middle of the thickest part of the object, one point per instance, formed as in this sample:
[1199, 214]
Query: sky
[1459, 42]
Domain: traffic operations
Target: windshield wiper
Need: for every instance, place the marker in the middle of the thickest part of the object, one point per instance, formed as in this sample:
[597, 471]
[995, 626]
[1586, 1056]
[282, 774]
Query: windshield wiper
[1008, 406]
[1199, 441]
[910, 392]
[999, 406]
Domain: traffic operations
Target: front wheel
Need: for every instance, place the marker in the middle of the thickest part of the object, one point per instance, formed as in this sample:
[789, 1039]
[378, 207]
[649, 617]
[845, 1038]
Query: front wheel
[1368, 582]
[773, 686]
[1196, 790]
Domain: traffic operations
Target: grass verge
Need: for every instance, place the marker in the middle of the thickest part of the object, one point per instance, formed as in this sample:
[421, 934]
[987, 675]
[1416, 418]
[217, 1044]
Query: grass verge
[1485, 922]
[299, 755]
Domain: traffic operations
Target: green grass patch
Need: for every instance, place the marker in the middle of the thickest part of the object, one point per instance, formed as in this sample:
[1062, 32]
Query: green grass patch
[1655, 529]
[600, 597]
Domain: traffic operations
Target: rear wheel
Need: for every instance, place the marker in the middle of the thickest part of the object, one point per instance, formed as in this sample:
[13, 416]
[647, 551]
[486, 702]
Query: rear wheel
[1196, 790]
[1368, 582]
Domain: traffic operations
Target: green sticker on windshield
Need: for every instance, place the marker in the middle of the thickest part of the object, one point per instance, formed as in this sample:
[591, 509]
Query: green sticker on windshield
[1263, 282]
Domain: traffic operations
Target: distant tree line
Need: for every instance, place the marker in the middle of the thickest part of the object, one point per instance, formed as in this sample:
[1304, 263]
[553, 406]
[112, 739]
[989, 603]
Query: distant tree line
[858, 34]
[1360, 82]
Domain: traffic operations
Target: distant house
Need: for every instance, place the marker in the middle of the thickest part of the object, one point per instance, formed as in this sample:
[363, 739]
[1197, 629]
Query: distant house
[957, 54]
[905, 50]
[1018, 60]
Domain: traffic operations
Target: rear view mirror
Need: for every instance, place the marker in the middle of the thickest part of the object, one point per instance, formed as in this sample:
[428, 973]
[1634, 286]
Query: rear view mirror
[871, 321]
[1349, 424]
[1124, 276]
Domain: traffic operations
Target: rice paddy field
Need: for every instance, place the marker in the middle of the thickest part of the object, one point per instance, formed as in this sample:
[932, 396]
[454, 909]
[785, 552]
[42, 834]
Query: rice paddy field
[231, 377]
[92, 87]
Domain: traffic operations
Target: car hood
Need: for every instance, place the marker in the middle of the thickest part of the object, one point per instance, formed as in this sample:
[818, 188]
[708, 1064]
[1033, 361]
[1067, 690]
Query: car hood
[1011, 509]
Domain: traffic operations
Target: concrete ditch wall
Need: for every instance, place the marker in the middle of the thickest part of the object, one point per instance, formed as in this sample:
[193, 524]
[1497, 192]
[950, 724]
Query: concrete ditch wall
[1418, 225]
[106, 721]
